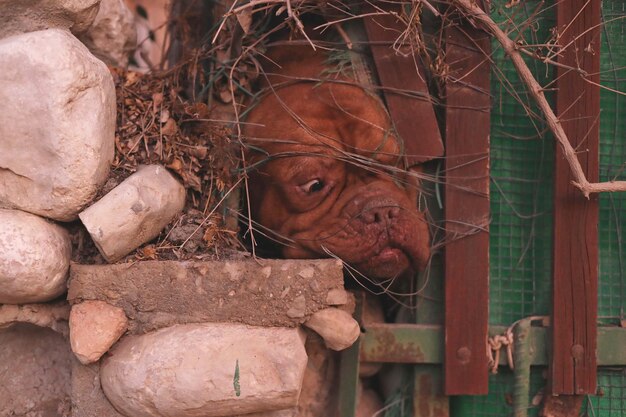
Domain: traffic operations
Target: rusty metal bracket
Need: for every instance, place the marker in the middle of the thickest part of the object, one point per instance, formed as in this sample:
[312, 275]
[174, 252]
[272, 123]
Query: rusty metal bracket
[423, 344]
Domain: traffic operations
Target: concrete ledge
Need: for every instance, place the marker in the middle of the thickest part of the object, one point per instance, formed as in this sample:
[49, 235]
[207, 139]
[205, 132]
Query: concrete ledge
[157, 294]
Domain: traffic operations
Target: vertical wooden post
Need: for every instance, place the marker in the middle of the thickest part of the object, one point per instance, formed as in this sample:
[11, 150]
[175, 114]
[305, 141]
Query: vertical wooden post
[403, 79]
[575, 281]
[467, 210]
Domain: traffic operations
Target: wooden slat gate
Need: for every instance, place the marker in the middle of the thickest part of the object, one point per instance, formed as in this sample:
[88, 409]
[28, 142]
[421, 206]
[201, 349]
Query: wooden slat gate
[574, 334]
[573, 346]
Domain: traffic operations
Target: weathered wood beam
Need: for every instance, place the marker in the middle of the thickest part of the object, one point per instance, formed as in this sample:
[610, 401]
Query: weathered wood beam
[468, 105]
[403, 79]
[575, 280]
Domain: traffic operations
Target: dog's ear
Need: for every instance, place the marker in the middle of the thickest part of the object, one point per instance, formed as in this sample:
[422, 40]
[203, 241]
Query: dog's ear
[373, 141]
[364, 124]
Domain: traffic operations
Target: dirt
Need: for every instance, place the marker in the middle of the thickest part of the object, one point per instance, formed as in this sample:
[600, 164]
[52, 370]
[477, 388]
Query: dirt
[36, 361]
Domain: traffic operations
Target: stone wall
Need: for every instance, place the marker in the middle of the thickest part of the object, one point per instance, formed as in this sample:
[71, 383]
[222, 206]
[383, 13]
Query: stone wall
[131, 339]
[201, 338]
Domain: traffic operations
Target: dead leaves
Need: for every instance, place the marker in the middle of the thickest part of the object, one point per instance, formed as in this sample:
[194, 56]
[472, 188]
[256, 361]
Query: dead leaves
[157, 125]
[245, 20]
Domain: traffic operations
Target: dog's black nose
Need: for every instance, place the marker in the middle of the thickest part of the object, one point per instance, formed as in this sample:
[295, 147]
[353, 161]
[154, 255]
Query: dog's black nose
[380, 214]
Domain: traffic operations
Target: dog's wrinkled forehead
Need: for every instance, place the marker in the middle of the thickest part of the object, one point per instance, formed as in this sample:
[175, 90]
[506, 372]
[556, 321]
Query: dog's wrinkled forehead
[333, 115]
[323, 121]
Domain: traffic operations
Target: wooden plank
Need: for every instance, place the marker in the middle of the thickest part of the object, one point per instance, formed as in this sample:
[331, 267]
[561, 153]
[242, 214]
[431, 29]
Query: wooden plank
[575, 281]
[405, 90]
[467, 211]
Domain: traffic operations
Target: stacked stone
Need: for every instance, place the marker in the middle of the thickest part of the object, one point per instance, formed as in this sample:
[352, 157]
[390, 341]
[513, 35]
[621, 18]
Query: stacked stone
[57, 127]
[210, 338]
[57, 120]
[57, 124]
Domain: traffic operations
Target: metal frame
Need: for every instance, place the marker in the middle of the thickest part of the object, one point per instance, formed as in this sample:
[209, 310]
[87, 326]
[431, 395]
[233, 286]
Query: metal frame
[422, 345]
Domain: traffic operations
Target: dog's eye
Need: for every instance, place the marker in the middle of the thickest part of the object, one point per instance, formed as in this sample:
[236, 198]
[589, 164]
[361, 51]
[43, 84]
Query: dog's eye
[313, 186]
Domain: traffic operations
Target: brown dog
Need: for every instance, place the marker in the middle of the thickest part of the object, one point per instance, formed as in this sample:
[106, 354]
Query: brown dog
[324, 154]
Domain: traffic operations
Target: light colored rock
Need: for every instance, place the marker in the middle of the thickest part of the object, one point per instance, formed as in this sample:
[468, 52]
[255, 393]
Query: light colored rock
[112, 37]
[94, 327]
[34, 258]
[81, 12]
[57, 124]
[289, 412]
[34, 372]
[52, 315]
[32, 15]
[338, 329]
[205, 370]
[350, 306]
[337, 296]
[298, 307]
[134, 212]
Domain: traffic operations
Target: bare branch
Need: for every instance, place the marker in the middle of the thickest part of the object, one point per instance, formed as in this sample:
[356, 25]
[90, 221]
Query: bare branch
[470, 9]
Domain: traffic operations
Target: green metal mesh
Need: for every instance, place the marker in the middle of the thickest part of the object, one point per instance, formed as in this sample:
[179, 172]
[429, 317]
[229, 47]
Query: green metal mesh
[522, 159]
[499, 401]
[522, 171]
[611, 401]
[612, 227]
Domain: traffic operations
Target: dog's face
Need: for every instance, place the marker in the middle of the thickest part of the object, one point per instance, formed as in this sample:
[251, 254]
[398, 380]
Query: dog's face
[325, 180]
